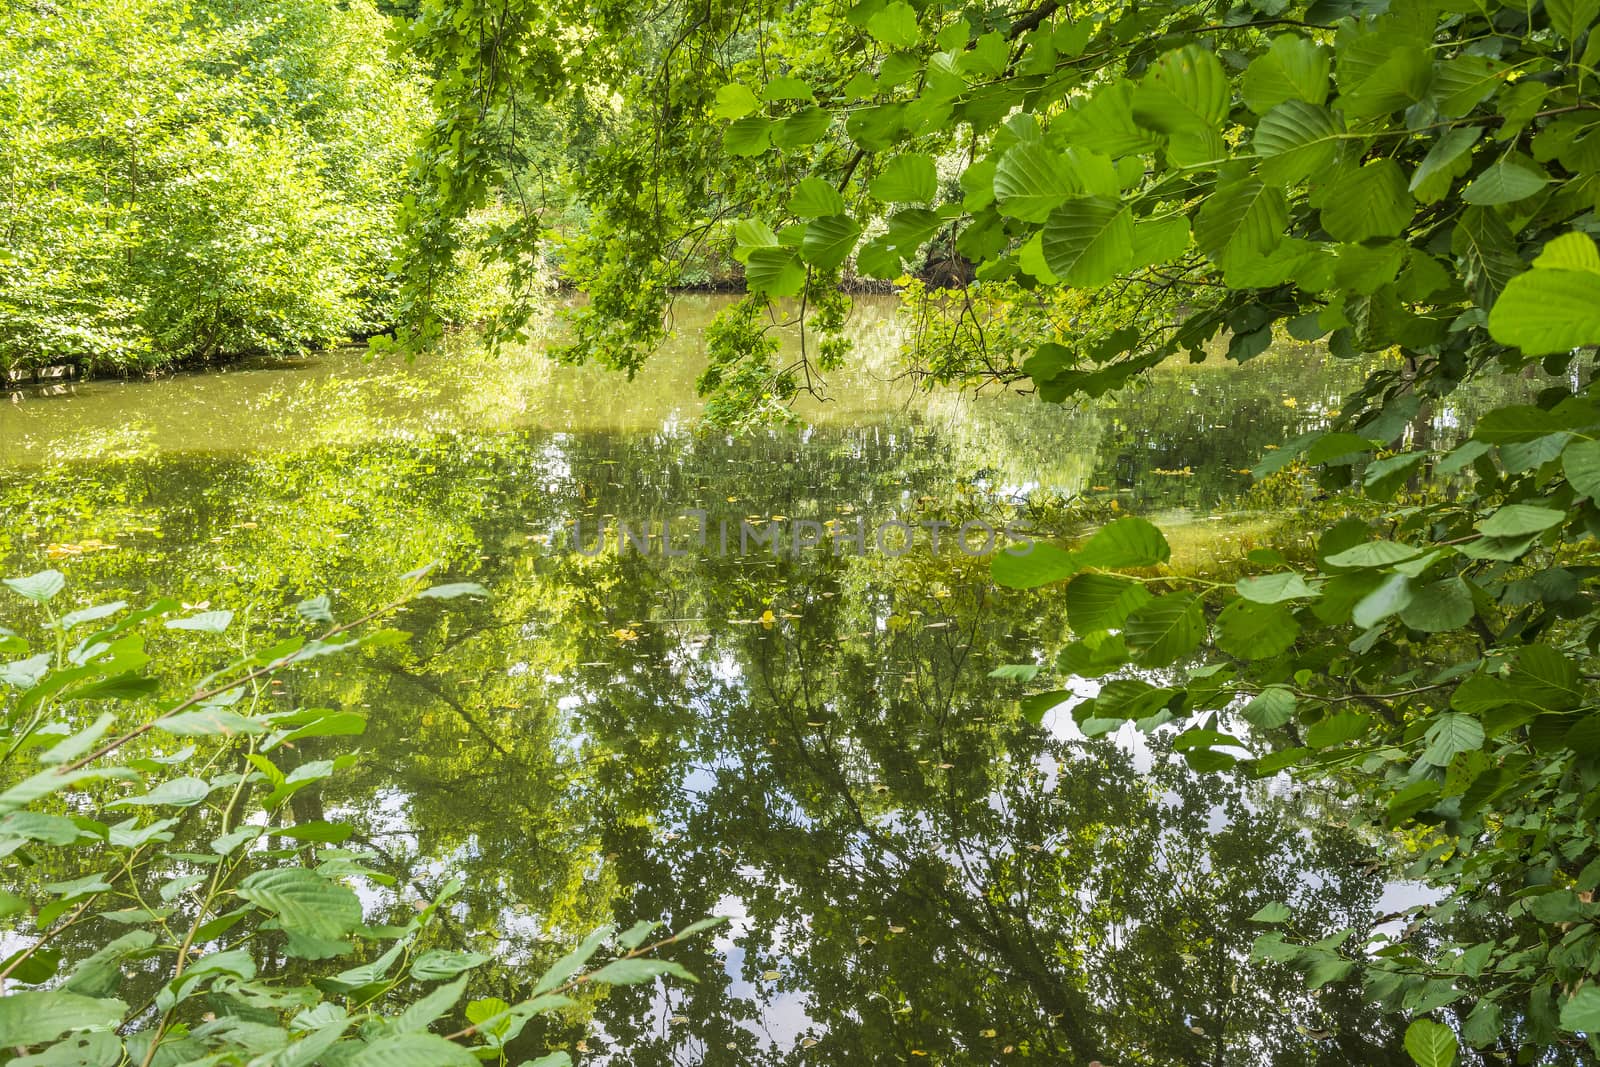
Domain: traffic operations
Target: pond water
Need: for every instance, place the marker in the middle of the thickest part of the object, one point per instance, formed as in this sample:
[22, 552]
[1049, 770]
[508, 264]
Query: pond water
[809, 742]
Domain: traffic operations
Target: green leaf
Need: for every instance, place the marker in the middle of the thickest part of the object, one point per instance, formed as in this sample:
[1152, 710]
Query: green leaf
[637, 934]
[1484, 1025]
[747, 136]
[804, 127]
[882, 256]
[1270, 708]
[1243, 219]
[1581, 1012]
[1159, 240]
[1389, 598]
[1016, 672]
[1373, 554]
[1040, 565]
[316, 831]
[775, 271]
[206, 722]
[1383, 477]
[1440, 160]
[1503, 182]
[1461, 83]
[314, 609]
[1327, 971]
[1034, 708]
[1519, 520]
[908, 178]
[700, 926]
[1581, 464]
[1293, 68]
[1275, 588]
[29, 1017]
[304, 901]
[26, 673]
[1030, 181]
[751, 233]
[1104, 122]
[1272, 914]
[1368, 201]
[39, 826]
[1571, 17]
[479, 1012]
[1516, 423]
[1337, 446]
[89, 1048]
[828, 241]
[1437, 608]
[1451, 733]
[37, 587]
[1296, 140]
[785, 87]
[1570, 251]
[1431, 1044]
[1088, 241]
[895, 25]
[1485, 245]
[77, 618]
[1186, 95]
[1379, 73]
[1127, 542]
[79, 743]
[420, 1013]
[634, 971]
[1544, 312]
[1165, 630]
[1102, 601]
[1256, 631]
[813, 198]
[183, 792]
[734, 102]
[1337, 729]
[413, 1050]
[207, 622]
[318, 723]
[53, 780]
[438, 964]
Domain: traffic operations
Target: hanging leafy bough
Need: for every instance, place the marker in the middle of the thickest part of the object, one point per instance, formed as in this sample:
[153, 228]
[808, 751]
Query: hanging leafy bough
[197, 926]
[1373, 177]
[1443, 664]
[1409, 176]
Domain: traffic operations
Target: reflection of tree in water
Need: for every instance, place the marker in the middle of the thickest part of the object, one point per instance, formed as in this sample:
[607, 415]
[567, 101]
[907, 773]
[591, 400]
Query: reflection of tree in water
[919, 865]
[927, 873]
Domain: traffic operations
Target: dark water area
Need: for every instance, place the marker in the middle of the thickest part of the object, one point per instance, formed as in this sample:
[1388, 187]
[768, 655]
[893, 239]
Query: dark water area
[809, 743]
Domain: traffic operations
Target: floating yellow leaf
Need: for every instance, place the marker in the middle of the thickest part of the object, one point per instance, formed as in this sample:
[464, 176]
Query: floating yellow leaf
[768, 618]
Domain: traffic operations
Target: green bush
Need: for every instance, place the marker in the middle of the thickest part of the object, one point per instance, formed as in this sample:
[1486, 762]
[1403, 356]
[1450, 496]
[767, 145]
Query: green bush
[191, 181]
